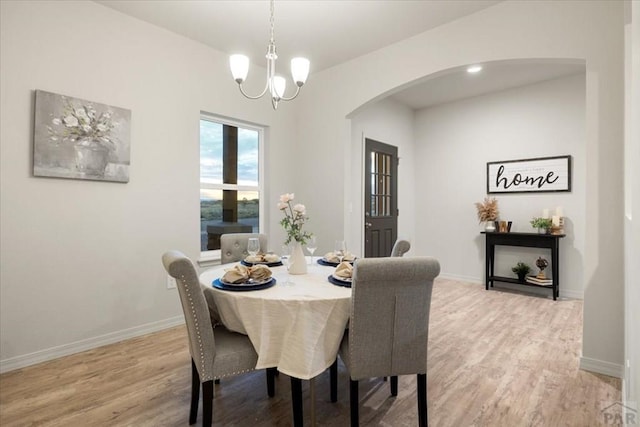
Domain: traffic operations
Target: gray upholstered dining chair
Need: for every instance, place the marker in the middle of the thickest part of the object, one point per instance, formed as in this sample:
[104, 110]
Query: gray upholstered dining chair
[233, 246]
[400, 247]
[215, 352]
[391, 339]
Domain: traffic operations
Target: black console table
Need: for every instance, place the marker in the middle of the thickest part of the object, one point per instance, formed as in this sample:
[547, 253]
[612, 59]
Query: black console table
[531, 240]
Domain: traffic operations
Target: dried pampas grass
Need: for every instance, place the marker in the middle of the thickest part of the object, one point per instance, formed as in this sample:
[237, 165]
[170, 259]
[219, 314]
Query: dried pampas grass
[488, 210]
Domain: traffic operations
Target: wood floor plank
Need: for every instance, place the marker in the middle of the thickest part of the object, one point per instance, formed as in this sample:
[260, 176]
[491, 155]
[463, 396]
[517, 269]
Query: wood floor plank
[496, 358]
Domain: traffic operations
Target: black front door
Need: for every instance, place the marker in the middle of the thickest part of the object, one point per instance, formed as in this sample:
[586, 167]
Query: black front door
[380, 198]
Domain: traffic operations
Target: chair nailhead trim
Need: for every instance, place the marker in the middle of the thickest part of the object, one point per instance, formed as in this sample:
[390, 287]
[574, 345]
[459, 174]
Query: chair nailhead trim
[203, 374]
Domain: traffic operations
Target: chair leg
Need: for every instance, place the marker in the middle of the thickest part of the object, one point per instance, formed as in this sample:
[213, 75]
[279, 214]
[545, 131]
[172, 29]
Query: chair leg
[333, 380]
[296, 401]
[354, 402]
[207, 403]
[195, 393]
[271, 385]
[422, 400]
[394, 385]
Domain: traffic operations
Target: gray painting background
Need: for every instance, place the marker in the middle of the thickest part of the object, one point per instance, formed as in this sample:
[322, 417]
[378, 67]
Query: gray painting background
[58, 160]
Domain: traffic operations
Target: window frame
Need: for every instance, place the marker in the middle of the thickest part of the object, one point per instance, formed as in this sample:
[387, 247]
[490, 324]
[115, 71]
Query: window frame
[213, 255]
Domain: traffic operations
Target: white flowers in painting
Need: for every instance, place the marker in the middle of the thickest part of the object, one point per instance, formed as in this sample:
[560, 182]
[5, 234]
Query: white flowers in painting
[83, 125]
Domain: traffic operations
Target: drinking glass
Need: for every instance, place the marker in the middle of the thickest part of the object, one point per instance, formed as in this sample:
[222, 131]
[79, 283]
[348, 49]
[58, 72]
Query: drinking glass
[285, 257]
[253, 246]
[312, 245]
[340, 249]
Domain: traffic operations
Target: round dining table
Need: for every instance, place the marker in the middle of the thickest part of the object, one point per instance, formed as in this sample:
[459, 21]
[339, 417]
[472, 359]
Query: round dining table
[296, 327]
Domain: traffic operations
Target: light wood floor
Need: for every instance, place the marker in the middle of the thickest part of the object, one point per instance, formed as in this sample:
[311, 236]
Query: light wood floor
[495, 359]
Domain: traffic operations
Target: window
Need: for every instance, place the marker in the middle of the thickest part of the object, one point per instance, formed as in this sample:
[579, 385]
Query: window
[230, 180]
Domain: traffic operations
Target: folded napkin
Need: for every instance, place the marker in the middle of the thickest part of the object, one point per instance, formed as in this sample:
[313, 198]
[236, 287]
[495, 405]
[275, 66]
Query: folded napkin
[241, 274]
[262, 258]
[344, 270]
[237, 274]
[254, 258]
[271, 257]
[348, 256]
[259, 272]
[332, 257]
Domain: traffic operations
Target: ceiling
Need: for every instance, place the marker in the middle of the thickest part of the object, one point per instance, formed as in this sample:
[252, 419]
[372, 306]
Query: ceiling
[317, 29]
[457, 84]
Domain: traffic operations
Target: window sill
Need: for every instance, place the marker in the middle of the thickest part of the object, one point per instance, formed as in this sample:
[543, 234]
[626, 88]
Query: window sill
[209, 260]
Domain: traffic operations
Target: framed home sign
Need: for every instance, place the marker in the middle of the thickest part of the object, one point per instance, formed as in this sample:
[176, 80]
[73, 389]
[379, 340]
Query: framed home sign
[543, 174]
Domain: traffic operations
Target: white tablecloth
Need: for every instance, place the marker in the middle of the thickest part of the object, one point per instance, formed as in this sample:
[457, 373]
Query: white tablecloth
[296, 328]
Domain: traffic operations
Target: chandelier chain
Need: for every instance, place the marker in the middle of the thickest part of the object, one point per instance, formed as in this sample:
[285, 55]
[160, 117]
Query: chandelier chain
[272, 21]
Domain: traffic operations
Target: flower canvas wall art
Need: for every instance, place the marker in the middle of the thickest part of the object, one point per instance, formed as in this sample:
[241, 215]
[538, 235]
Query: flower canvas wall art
[79, 139]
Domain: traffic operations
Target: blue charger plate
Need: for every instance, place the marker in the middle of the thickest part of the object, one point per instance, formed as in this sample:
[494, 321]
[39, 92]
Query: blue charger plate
[339, 282]
[268, 264]
[233, 287]
[323, 261]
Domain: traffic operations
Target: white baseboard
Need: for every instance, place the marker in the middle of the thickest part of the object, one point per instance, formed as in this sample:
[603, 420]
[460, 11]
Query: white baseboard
[571, 294]
[22, 361]
[564, 293]
[602, 367]
[468, 279]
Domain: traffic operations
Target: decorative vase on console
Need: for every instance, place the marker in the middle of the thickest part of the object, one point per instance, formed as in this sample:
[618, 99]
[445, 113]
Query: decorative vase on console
[488, 213]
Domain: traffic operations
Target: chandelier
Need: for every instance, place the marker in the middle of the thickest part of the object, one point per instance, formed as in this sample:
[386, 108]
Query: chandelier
[276, 85]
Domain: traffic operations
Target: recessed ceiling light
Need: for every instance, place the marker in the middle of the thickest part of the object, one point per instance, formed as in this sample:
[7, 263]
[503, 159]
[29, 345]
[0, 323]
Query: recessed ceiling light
[474, 69]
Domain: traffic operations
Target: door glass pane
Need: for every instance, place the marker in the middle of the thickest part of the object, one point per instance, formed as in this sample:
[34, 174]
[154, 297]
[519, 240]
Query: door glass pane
[380, 184]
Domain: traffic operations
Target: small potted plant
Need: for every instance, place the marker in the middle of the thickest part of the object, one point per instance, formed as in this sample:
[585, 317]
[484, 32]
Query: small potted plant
[521, 269]
[542, 224]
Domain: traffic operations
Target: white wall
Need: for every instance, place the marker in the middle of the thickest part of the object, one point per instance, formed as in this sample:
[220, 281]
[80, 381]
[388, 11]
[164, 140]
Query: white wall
[392, 123]
[583, 30]
[80, 260]
[455, 141]
[631, 392]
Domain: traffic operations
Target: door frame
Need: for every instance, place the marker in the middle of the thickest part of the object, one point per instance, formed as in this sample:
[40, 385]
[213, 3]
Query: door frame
[394, 149]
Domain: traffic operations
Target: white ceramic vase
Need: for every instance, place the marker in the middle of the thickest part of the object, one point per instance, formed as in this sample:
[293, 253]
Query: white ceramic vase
[298, 263]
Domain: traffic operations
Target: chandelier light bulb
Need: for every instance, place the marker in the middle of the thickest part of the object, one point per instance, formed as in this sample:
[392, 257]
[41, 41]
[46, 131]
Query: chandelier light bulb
[239, 67]
[300, 70]
[279, 85]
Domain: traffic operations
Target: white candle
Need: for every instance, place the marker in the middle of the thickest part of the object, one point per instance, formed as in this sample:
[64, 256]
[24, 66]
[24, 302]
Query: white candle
[545, 213]
[555, 220]
[559, 211]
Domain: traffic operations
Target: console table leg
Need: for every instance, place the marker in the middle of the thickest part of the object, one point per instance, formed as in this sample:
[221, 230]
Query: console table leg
[555, 255]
